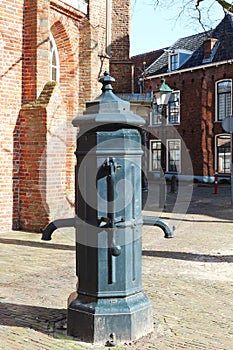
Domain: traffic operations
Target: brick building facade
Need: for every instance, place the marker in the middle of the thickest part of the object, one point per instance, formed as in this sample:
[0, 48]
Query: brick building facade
[199, 70]
[51, 54]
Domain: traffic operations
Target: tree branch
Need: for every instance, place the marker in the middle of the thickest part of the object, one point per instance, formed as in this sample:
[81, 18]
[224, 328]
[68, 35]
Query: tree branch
[225, 5]
[199, 14]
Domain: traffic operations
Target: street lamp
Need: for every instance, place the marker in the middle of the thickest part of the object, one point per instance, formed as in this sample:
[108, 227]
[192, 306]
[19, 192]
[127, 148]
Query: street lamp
[162, 95]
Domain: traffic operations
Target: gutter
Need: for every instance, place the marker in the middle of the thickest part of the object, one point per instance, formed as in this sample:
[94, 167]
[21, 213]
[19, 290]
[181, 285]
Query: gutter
[204, 66]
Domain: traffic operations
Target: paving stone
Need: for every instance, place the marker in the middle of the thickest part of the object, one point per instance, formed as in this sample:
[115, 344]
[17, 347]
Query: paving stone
[189, 280]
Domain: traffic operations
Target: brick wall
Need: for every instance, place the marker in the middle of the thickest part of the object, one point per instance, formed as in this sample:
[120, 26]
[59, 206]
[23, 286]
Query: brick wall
[141, 62]
[11, 40]
[197, 126]
[44, 194]
[37, 137]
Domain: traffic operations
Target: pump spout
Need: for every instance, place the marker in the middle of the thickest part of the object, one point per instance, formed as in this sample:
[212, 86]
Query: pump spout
[152, 221]
[52, 226]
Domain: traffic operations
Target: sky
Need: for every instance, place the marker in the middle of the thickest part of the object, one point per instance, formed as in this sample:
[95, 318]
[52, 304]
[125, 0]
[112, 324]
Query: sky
[156, 28]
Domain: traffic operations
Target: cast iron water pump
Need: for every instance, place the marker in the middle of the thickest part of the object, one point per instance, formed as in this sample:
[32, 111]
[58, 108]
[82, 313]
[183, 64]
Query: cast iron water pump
[109, 223]
[110, 299]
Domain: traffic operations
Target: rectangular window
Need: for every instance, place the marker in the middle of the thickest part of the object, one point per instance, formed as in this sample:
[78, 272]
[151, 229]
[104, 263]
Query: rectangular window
[174, 62]
[155, 151]
[223, 99]
[223, 154]
[173, 156]
[177, 58]
[172, 111]
[155, 117]
[173, 108]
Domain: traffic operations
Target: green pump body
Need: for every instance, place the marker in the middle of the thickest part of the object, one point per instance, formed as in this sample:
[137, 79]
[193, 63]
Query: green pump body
[111, 302]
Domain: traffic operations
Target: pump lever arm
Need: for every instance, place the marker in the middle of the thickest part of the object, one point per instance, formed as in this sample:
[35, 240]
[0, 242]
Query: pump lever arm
[153, 221]
[52, 226]
[112, 167]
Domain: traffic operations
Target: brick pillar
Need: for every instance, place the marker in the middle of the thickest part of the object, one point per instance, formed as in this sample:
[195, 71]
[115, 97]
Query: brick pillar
[43, 46]
[35, 48]
[120, 64]
[33, 214]
[94, 53]
[43, 195]
[92, 50]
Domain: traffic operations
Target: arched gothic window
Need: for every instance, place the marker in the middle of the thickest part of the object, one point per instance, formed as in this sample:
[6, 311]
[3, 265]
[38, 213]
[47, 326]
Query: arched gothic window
[54, 60]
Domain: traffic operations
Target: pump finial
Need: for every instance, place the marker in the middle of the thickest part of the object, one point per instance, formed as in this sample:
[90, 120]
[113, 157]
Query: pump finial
[106, 80]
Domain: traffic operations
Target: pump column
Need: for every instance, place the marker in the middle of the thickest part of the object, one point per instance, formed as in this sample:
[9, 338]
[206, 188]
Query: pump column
[111, 302]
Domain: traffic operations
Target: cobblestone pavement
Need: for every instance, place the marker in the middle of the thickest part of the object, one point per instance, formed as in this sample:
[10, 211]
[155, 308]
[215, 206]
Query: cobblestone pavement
[189, 280]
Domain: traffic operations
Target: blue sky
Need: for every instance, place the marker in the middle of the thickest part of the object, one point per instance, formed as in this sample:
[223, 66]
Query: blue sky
[153, 29]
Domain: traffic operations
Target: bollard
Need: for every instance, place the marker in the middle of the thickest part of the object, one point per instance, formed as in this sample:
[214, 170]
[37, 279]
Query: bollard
[173, 184]
[216, 182]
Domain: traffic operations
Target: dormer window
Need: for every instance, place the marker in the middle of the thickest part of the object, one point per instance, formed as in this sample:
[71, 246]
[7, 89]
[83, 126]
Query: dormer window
[177, 58]
[174, 61]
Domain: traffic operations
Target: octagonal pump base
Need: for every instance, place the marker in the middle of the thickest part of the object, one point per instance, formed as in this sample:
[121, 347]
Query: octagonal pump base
[96, 320]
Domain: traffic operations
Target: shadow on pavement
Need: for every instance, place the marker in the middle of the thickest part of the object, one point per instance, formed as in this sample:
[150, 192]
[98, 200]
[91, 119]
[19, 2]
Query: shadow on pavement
[45, 320]
[218, 221]
[36, 244]
[193, 199]
[189, 256]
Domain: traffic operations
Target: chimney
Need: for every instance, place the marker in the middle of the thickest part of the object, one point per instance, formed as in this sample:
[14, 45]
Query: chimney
[208, 47]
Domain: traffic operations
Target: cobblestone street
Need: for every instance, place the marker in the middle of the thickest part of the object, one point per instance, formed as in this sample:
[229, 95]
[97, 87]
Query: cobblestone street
[189, 280]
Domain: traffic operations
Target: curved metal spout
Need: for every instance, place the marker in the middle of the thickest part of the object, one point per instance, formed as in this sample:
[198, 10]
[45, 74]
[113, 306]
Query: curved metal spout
[52, 226]
[152, 221]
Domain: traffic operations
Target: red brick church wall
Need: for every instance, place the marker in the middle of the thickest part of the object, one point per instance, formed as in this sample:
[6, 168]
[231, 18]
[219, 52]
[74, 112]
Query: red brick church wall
[37, 137]
[11, 57]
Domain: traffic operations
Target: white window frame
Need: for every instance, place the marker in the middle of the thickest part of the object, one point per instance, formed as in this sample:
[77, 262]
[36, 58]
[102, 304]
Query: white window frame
[151, 155]
[167, 156]
[174, 65]
[216, 100]
[156, 117]
[167, 110]
[227, 136]
[56, 66]
[174, 53]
